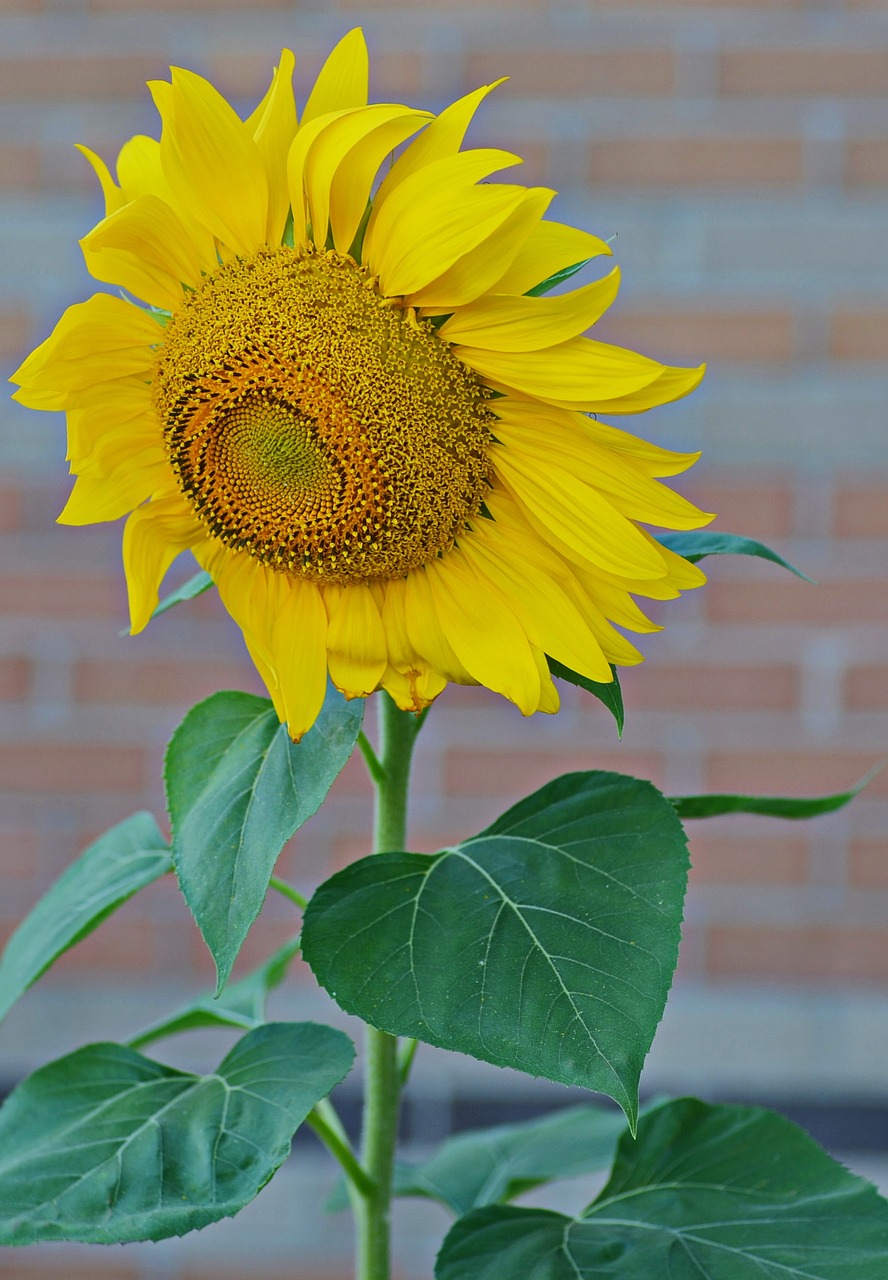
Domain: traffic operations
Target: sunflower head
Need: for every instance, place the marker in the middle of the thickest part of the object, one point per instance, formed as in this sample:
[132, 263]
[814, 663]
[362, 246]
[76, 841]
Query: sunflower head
[335, 380]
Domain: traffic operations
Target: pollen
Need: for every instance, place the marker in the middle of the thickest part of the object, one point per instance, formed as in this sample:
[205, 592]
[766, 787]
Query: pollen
[314, 425]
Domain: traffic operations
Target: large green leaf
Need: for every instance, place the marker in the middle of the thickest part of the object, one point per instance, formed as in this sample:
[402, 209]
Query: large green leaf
[610, 694]
[705, 1193]
[491, 1165]
[122, 861]
[712, 806]
[237, 789]
[105, 1145]
[546, 943]
[695, 544]
[240, 1005]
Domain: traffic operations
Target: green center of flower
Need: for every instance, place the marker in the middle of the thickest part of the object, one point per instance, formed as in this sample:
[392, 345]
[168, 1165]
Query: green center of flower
[317, 426]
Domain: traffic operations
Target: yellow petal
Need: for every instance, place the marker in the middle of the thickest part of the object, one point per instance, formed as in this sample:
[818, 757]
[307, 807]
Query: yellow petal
[96, 498]
[299, 652]
[103, 436]
[139, 168]
[152, 538]
[415, 691]
[474, 273]
[435, 216]
[102, 338]
[577, 514]
[342, 164]
[426, 632]
[356, 647]
[501, 322]
[537, 599]
[672, 384]
[114, 198]
[577, 374]
[144, 248]
[212, 163]
[297, 160]
[629, 489]
[549, 702]
[343, 80]
[273, 127]
[442, 138]
[483, 631]
[550, 248]
[651, 458]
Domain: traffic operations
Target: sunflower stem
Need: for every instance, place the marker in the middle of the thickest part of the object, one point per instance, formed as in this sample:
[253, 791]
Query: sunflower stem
[382, 1078]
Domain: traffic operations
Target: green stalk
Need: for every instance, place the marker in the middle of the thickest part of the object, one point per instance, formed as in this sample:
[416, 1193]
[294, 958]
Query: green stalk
[382, 1080]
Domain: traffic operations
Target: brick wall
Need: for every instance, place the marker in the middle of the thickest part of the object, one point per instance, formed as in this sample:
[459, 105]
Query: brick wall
[740, 152]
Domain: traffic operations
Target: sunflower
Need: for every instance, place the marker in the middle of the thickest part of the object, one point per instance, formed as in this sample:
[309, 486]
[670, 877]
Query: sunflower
[351, 400]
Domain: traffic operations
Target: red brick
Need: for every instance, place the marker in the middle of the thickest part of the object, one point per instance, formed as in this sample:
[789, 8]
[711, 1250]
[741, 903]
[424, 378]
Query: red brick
[820, 72]
[866, 162]
[665, 687]
[793, 773]
[859, 334]
[19, 167]
[507, 773]
[354, 779]
[293, 1271]
[78, 76]
[246, 75]
[756, 506]
[736, 335]
[149, 682]
[182, 6]
[696, 161]
[812, 953]
[861, 511]
[670, 5]
[866, 688]
[19, 852]
[778, 860]
[11, 508]
[22, 6]
[16, 676]
[15, 1267]
[69, 595]
[71, 767]
[15, 333]
[792, 600]
[567, 73]
[868, 863]
[120, 945]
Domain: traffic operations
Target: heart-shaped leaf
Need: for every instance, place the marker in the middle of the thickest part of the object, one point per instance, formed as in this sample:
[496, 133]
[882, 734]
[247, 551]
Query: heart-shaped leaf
[125, 859]
[546, 943]
[105, 1145]
[704, 1193]
[237, 789]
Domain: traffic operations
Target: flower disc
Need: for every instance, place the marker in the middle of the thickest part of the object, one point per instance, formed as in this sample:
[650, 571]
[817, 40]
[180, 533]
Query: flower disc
[314, 424]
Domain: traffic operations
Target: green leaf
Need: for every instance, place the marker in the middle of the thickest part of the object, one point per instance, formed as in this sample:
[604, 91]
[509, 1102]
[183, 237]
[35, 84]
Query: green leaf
[695, 544]
[705, 1193]
[610, 694]
[773, 806]
[546, 943]
[558, 278]
[195, 586]
[107, 1146]
[491, 1165]
[240, 1005]
[122, 861]
[237, 789]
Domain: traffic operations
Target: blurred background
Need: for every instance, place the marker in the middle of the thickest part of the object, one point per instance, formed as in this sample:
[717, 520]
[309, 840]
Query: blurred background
[739, 153]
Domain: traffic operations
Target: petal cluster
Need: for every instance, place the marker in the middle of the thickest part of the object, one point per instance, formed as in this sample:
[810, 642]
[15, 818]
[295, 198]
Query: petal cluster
[550, 563]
